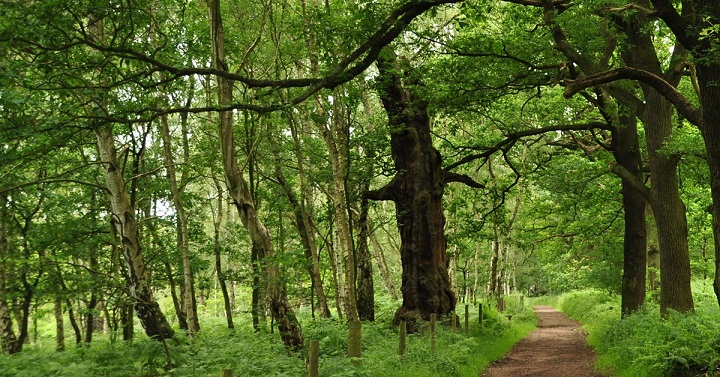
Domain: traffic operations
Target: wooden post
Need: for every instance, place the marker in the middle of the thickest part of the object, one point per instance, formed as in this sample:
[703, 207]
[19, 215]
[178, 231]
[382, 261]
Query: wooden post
[433, 329]
[480, 314]
[355, 341]
[522, 301]
[314, 357]
[226, 373]
[403, 337]
[467, 320]
[454, 320]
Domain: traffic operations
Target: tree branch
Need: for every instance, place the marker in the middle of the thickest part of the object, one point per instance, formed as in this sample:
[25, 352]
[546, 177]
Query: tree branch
[383, 193]
[679, 26]
[684, 107]
[512, 138]
[462, 178]
[628, 177]
[560, 5]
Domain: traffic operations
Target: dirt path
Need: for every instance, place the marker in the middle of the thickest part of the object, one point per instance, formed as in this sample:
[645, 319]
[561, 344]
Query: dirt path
[557, 348]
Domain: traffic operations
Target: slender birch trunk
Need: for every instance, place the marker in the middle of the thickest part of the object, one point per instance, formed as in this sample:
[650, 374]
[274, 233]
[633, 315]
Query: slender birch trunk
[282, 312]
[217, 225]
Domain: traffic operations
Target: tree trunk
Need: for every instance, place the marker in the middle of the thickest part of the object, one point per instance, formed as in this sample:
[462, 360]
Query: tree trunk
[183, 232]
[476, 273]
[382, 266]
[256, 307]
[183, 236]
[337, 273]
[365, 286]
[282, 313]
[148, 310]
[7, 334]
[128, 325]
[668, 208]
[90, 318]
[217, 224]
[708, 78]
[306, 230]
[59, 325]
[417, 191]
[172, 286]
[653, 255]
[336, 139]
[626, 149]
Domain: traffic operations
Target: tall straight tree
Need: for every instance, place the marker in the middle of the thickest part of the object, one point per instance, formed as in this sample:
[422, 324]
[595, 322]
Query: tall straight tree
[7, 334]
[696, 29]
[190, 307]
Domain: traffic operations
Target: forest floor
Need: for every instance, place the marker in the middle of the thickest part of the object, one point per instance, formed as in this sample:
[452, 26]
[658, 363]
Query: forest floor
[557, 348]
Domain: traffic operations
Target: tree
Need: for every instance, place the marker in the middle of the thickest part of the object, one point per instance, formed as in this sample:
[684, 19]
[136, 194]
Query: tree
[417, 191]
[238, 189]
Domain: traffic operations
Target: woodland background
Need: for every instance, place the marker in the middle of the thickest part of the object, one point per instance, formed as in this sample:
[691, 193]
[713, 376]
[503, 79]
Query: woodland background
[165, 164]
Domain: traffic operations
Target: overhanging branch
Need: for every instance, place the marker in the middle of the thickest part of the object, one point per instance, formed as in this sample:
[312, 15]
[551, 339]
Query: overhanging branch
[628, 177]
[512, 138]
[462, 178]
[684, 107]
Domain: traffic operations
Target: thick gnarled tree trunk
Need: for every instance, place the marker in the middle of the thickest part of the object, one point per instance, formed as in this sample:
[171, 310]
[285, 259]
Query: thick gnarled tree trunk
[417, 190]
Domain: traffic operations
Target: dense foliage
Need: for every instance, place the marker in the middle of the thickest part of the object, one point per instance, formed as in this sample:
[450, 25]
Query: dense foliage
[283, 164]
[645, 344]
[248, 353]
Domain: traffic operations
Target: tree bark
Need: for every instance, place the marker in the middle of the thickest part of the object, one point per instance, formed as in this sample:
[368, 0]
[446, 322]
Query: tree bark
[217, 224]
[382, 266]
[708, 79]
[183, 236]
[148, 310]
[59, 325]
[7, 334]
[306, 230]
[626, 150]
[417, 191]
[183, 232]
[336, 139]
[282, 313]
[669, 210]
[365, 284]
[172, 286]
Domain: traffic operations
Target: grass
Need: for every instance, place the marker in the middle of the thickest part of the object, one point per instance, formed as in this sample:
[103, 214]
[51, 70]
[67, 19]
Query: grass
[262, 354]
[644, 344]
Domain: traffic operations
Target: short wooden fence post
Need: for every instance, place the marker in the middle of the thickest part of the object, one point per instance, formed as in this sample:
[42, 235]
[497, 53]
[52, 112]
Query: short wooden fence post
[355, 342]
[314, 358]
[480, 314]
[467, 320]
[226, 373]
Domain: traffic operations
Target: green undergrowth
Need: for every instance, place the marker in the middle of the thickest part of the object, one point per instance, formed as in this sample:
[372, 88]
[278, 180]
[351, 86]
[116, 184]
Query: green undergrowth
[644, 344]
[262, 354]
